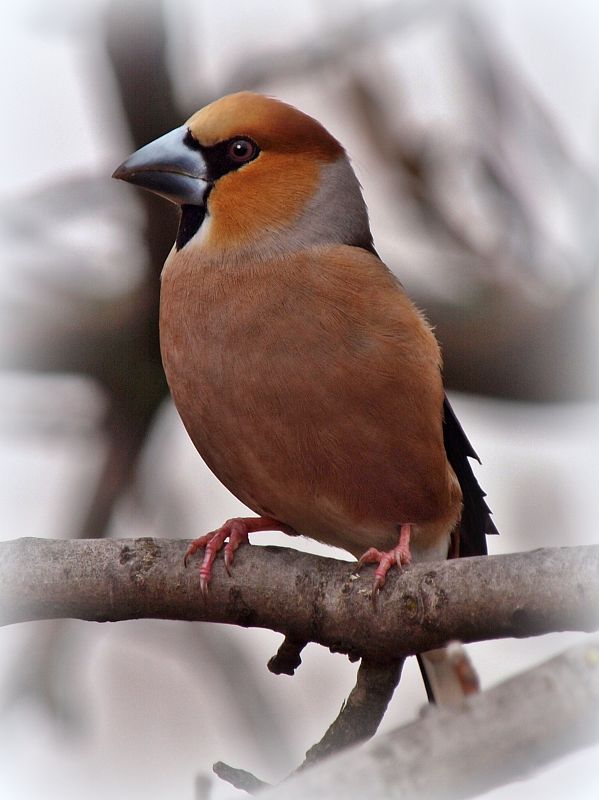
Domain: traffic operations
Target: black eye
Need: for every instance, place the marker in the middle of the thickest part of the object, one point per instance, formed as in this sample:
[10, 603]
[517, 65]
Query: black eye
[242, 150]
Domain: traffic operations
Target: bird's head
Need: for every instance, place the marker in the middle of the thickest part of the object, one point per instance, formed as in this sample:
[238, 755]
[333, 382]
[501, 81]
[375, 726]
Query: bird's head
[251, 173]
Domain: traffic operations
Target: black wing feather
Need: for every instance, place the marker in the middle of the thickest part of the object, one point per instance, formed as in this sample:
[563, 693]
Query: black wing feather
[476, 523]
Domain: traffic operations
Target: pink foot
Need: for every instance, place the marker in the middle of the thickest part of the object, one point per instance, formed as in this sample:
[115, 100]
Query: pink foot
[236, 530]
[400, 556]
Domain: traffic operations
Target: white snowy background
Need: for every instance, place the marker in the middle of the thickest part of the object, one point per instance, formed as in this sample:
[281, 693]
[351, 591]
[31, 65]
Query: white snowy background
[137, 709]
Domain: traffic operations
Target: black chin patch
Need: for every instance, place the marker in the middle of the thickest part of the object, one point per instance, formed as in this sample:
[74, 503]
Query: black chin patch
[189, 224]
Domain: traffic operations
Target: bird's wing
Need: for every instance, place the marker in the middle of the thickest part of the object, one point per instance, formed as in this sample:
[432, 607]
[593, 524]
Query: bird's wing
[441, 679]
[476, 523]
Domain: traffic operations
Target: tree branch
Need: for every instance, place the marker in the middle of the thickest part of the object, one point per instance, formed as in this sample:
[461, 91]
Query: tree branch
[361, 714]
[239, 778]
[498, 736]
[287, 658]
[305, 597]
[358, 720]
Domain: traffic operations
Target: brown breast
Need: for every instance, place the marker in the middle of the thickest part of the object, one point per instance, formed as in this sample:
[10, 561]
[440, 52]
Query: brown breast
[311, 387]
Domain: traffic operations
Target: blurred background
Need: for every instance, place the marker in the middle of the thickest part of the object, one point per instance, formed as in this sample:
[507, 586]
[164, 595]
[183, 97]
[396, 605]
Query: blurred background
[473, 128]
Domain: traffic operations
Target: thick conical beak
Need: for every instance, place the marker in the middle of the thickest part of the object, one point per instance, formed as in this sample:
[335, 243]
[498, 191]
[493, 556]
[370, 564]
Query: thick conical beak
[169, 167]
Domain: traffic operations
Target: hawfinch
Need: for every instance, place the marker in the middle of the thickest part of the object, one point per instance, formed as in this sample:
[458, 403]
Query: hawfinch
[305, 376]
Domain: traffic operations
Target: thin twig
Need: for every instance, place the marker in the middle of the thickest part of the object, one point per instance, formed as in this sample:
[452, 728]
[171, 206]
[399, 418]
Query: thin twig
[239, 778]
[358, 720]
[361, 714]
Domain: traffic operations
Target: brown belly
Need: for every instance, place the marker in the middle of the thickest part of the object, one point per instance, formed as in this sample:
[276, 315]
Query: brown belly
[318, 435]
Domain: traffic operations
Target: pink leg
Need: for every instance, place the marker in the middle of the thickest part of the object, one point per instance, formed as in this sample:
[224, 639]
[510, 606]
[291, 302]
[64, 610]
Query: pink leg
[236, 530]
[399, 555]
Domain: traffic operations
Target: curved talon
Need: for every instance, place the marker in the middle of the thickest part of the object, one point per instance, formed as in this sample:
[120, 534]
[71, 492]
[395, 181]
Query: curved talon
[400, 556]
[204, 587]
[237, 535]
[371, 556]
[196, 545]
[214, 543]
[236, 530]
[376, 588]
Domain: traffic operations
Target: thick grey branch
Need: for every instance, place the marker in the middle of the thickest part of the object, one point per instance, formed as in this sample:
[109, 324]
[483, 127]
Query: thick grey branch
[303, 596]
[498, 736]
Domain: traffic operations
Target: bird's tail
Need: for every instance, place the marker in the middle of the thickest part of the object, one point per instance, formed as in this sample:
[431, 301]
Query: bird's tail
[448, 674]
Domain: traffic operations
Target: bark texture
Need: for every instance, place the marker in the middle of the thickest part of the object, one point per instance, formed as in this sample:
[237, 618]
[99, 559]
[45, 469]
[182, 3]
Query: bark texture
[498, 736]
[305, 597]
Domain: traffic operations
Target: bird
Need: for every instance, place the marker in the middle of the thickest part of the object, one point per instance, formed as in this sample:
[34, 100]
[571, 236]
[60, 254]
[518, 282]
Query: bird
[306, 378]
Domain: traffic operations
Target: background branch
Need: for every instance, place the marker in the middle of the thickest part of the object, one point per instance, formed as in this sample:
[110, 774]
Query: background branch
[305, 597]
[361, 714]
[498, 736]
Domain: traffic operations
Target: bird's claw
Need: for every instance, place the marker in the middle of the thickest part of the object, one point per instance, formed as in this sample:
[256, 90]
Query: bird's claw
[204, 583]
[211, 542]
[399, 556]
[202, 541]
[236, 531]
[378, 584]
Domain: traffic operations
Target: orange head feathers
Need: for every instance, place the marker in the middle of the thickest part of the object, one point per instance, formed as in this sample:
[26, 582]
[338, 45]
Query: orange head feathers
[253, 174]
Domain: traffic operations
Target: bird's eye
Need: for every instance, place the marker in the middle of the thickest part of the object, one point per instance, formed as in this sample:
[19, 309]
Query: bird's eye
[242, 150]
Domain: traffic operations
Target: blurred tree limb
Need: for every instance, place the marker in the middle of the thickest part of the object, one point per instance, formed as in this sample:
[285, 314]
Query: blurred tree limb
[311, 598]
[501, 735]
[115, 343]
[358, 720]
[303, 596]
[363, 710]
